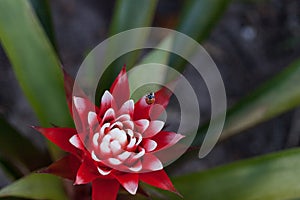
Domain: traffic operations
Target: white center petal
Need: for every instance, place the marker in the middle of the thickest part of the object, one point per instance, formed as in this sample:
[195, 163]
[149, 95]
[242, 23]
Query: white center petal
[92, 117]
[102, 129]
[95, 139]
[114, 161]
[130, 132]
[123, 156]
[120, 135]
[115, 147]
[139, 138]
[117, 124]
[131, 143]
[104, 146]
[139, 155]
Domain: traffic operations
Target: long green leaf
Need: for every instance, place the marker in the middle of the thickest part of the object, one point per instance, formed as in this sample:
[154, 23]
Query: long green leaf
[35, 186]
[276, 96]
[19, 150]
[43, 11]
[274, 176]
[197, 20]
[35, 64]
[128, 15]
[200, 16]
[132, 14]
[34, 61]
[148, 72]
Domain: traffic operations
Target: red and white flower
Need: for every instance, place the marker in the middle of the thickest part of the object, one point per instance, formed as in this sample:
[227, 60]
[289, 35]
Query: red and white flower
[114, 144]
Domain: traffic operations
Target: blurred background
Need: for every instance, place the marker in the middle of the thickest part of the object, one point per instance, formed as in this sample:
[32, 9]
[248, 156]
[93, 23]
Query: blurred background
[252, 41]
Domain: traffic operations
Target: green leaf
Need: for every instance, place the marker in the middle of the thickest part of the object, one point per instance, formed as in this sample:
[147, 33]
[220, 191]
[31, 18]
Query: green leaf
[200, 16]
[273, 98]
[151, 73]
[132, 14]
[43, 11]
[197, 20]
[19, 150]
[34, 61]
[274, 176]
[127, 15]
[35, 186]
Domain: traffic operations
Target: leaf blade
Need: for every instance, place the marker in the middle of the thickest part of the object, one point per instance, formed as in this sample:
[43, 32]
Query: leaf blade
[35, 186]
[273, 176]
[126, 12]
[197, 20]
[127, 15]
[43, 11]
[34, 62]
[276, 96]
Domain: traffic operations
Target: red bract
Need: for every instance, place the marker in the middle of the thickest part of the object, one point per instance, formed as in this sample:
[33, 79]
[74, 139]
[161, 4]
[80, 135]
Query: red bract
[114, 144]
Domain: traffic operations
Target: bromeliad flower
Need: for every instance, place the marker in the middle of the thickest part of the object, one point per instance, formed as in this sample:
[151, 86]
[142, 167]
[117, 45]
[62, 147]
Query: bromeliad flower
[116, 143]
